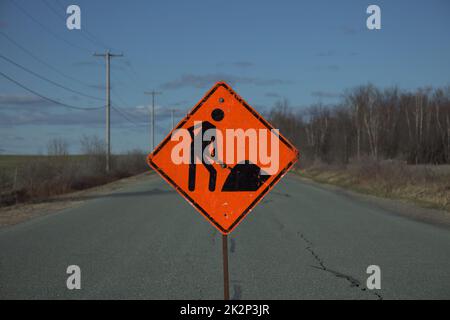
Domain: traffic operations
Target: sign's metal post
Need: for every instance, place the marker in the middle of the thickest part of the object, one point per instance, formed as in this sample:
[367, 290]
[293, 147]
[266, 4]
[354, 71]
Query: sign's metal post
[226, 282]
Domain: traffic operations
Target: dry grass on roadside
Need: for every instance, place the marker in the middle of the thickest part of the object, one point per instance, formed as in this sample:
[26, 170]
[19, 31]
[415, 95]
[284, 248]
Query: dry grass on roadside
[45, 176]
[426, 185]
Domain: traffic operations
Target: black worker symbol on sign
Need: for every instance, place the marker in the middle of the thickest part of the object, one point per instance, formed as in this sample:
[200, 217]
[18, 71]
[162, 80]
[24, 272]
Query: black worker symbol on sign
[216, 115]
[244, 176]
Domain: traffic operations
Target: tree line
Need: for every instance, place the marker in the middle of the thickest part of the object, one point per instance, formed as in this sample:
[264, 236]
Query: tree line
[412, 126]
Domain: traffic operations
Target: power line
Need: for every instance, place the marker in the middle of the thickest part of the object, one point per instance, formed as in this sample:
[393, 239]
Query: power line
[124, 115]
[60, 4]
[42, 61]
[44, 27]
[91, 37]
[137, 120]
[132, 74]
[136, 74]
[54, 10]
[119, 97]
[48, 80]
[126, 104]
[100, 42]
[95, 40]
[45, 97]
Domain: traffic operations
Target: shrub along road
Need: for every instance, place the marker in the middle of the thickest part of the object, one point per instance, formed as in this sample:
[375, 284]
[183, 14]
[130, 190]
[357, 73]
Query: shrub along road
[302, 241]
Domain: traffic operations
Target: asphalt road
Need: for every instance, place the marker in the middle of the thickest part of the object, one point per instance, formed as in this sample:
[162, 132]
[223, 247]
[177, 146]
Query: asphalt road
[302, 242]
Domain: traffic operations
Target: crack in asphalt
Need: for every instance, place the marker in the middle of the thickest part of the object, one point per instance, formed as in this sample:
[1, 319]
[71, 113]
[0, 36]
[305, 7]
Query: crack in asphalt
[354, 283]
[237, 292]
[287, 195]
[232, 245]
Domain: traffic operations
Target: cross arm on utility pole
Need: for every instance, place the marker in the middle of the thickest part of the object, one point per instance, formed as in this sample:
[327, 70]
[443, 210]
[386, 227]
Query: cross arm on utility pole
[112, 55]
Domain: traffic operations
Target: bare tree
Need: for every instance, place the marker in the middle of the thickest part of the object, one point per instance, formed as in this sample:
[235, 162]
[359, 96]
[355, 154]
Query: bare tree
[92, 145]
[383, 124]
[57, 147]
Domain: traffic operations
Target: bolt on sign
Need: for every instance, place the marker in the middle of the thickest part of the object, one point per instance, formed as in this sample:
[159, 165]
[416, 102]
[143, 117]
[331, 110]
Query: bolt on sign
[223, 157]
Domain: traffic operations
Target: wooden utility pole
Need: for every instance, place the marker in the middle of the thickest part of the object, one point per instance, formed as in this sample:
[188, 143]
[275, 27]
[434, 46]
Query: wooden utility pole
[108, 57]
[172, 112]
[153, 93]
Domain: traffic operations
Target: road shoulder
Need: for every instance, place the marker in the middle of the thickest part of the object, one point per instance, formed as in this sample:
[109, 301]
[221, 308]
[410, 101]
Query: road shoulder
[19, 213]
[440, 218]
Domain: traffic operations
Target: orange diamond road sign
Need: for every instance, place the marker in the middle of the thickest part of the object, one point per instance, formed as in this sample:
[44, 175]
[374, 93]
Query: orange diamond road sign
[223, 157]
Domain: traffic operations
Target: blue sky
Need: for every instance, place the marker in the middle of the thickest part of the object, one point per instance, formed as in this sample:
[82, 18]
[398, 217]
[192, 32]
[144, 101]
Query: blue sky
[304, 51]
